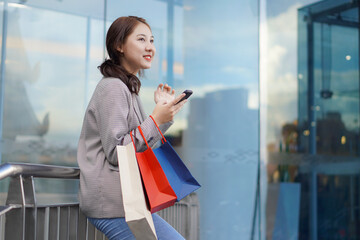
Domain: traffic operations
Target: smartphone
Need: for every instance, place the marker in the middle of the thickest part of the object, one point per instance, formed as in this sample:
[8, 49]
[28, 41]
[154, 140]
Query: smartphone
[187, 95]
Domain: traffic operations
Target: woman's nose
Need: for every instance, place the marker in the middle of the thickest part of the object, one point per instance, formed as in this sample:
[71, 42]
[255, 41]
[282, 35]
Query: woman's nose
[150, 47]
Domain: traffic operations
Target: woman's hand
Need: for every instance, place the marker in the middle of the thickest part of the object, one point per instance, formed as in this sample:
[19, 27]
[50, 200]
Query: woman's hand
[164, 93]
[165, 111]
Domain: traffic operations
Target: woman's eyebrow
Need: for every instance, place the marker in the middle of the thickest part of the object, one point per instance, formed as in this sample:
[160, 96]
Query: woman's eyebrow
[144, 35]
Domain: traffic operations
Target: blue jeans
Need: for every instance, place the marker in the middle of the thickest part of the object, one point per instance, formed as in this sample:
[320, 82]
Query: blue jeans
[117, 228]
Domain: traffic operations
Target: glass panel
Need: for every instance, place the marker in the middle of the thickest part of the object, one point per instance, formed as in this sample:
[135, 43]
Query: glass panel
[217, 132]
[52, 49]
[50, 61]
[337, 89]
[313, 130]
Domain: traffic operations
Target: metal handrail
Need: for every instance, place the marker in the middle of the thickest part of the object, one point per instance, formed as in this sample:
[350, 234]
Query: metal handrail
[22, 216]
[38, 170]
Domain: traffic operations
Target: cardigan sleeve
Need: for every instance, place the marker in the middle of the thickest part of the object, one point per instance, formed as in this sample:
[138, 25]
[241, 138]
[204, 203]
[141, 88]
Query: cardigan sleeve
[112, 106]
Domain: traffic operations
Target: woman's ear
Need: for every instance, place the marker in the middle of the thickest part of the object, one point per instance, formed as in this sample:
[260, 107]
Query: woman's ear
[120, 49]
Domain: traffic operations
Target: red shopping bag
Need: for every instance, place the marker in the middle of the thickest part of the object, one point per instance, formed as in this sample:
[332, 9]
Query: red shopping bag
[158, 190]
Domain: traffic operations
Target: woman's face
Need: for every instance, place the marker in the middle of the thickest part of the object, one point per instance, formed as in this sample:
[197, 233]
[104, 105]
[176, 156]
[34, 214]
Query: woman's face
[138, 49]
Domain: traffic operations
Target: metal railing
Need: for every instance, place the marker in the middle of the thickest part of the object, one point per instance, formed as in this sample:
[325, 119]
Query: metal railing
[23, 218]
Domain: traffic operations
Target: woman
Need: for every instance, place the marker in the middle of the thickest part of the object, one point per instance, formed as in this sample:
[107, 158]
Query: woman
[113, 112]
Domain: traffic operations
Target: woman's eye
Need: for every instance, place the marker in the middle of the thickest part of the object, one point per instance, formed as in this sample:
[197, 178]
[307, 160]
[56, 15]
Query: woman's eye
[142, 39]
[152, 40]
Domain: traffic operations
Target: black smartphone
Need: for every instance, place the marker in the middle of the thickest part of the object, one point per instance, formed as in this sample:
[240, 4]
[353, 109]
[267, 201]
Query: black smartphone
[187, 95]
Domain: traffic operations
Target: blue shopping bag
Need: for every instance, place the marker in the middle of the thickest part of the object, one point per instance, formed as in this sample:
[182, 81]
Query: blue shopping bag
[178, 175]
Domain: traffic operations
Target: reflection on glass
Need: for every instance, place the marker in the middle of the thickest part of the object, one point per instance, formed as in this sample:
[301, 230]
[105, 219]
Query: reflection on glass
[211, 48]
[52, 50]
[47, 60]
[225, 159]
[313, 167]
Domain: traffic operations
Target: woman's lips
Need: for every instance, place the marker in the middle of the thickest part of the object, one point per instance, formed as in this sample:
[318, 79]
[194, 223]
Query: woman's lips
[147, 58]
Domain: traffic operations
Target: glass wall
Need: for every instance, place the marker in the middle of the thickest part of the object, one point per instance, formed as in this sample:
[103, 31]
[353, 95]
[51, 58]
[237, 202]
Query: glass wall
[305, 109]
[211, 48]
[311, 114]
[50, 50]
[50, 53]
[50, 58]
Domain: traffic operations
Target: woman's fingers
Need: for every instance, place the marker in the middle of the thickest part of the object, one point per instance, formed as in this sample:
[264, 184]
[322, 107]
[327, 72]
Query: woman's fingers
[159, 88]
[167, 88]
[157, 93]
[178, 98]
[165, 111]
[179, 106]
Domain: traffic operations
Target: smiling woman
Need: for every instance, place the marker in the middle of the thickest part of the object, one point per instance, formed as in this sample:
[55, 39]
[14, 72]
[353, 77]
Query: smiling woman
[138, 50]
[114, 112]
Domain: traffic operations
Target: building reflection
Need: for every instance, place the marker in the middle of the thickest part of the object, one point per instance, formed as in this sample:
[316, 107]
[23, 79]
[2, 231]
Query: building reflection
[332, 136]
[320, 150]
[220, 147]
[228, 107]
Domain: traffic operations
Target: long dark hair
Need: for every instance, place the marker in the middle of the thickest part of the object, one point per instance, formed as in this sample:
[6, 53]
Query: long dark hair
[116, 36]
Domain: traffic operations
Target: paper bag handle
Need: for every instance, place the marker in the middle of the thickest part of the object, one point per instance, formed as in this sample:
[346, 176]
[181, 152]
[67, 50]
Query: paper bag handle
[142, 134]
[163, 138]
[132, 140]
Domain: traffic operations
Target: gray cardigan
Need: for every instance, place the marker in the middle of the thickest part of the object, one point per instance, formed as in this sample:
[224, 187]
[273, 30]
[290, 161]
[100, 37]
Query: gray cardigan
[110, 116]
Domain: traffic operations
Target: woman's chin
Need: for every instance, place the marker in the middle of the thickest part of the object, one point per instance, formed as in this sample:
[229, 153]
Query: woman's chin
[147, 66]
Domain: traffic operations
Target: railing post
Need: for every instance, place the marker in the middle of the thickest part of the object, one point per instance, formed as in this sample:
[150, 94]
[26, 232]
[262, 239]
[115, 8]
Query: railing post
[21, 195]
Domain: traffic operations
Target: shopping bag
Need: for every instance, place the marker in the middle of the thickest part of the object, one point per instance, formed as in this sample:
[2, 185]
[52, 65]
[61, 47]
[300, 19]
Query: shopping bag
[137, 215]
[178, 175]
[159, 193]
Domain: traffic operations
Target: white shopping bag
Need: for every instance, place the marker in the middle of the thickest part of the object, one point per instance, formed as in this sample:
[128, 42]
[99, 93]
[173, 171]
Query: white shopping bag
[137, 215]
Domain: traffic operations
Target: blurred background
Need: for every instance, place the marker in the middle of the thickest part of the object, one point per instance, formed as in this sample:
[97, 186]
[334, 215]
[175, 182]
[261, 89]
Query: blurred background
[271, 131]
